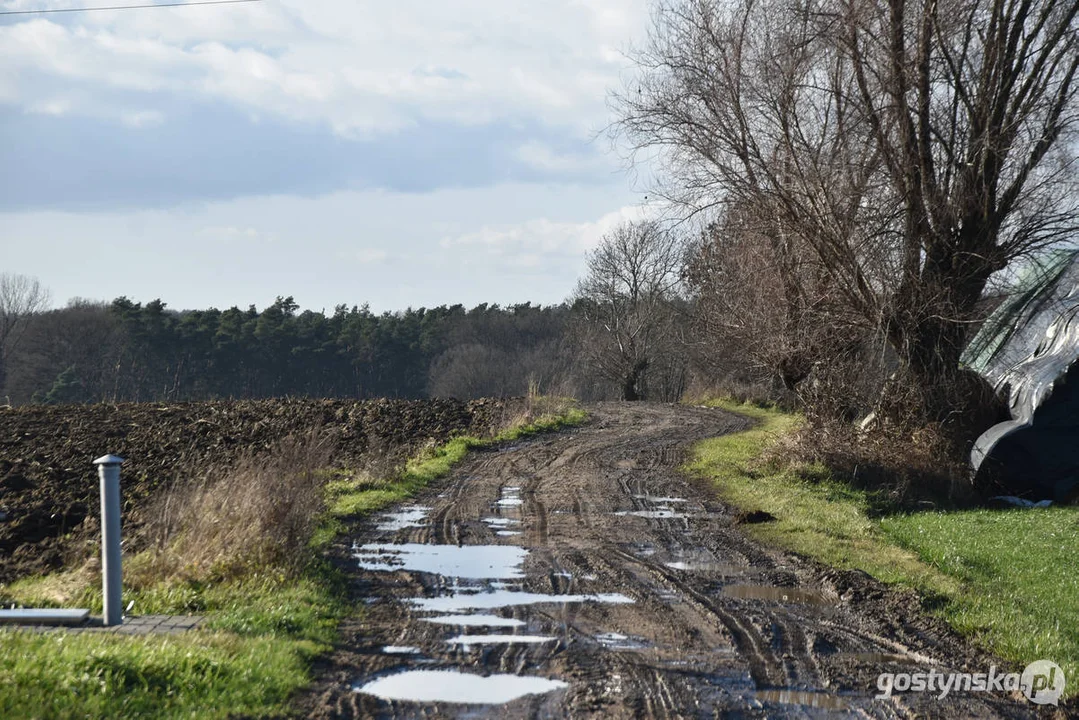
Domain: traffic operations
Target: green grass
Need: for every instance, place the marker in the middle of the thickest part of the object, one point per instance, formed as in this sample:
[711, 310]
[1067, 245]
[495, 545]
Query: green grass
[358, 495]
[1017, 569]
[201, 674]
[261, 632]
[1003, 578]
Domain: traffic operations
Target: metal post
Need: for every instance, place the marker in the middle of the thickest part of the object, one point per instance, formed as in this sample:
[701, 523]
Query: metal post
[108, 468]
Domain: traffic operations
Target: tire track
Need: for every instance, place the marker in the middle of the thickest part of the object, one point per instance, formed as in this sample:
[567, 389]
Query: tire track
[717, 623]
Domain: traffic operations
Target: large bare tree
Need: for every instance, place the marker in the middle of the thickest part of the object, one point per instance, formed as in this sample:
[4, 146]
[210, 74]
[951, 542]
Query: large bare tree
[627, 300]
[20, 298]
[917, 146]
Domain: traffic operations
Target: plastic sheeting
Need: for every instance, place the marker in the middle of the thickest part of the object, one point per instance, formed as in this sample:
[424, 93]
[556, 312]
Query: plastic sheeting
[1028, 350]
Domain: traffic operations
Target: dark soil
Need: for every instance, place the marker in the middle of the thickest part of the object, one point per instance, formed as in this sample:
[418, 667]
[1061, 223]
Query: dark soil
[49, 495]
[718, 626]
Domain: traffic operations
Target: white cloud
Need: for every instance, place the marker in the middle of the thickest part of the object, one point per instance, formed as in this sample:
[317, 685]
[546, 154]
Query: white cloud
[369, 256]
[143, 118]
[540, 237]
[360, 68]
[232, 233]
[506, 244]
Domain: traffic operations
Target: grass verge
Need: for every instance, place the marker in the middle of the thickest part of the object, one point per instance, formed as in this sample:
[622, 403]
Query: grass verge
[264, 622]
[1000, 577]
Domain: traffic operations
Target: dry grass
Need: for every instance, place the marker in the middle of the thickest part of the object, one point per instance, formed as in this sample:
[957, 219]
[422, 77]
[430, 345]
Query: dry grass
[260, 513]
[907, 469]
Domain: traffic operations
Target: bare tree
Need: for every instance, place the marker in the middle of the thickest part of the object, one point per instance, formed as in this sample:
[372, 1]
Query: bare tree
[917, 146]
[20, 298]
[627, 301]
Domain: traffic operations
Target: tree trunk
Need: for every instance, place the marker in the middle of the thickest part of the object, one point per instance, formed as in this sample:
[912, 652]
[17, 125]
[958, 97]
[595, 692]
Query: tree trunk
[631, 385]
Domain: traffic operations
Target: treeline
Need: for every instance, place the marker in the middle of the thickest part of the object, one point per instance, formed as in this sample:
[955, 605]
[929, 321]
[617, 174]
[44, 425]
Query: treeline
[129, 351]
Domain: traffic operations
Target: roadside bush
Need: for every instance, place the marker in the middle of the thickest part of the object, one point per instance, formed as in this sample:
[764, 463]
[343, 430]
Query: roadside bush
[907, 469]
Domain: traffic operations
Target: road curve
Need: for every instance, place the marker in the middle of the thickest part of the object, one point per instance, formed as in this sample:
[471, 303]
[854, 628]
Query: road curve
[626, 590]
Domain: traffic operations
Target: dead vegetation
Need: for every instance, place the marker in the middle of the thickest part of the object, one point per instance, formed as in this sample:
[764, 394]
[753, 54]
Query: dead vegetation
[259, 513]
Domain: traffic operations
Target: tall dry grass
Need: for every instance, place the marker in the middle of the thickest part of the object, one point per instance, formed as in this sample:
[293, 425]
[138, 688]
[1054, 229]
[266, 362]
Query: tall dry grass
[259, 513]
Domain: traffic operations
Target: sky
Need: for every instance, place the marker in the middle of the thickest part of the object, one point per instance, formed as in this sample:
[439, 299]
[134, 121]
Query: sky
[401, 154]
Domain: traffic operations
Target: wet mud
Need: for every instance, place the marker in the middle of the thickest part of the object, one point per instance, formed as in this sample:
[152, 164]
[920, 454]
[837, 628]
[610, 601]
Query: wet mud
[582, 575]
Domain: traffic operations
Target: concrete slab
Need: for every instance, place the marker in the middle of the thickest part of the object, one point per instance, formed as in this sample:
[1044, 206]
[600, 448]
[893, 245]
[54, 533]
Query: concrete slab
[44, 616]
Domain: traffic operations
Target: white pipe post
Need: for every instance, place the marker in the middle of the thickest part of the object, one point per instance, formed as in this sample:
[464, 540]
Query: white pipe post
[108, 468]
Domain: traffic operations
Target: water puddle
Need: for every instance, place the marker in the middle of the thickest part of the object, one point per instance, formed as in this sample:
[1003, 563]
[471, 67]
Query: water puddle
[507, 533]
[507, 598]
[451, 686]
[775, 594]
[467, 640]
[707, 566]
[802, 697]
[500, 522]
[400, 650]
[662, 514]
[659, 500]
[475, 621]
[410, 516]
[464, 561]
[618, 641]
[510, 497]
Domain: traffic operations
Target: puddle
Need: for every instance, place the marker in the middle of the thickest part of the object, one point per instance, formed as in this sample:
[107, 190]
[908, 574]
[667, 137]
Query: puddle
[467, 640]
[659, 500]
[507, 598]
[411, 516]
[618, 641]
[501, 522]
[400, 650]
[706, 566]
[475, 621]
[507, 533]
[465, 561]
[774, 594]
[654, 514]
[451, 686]
[510, 497]
[802, 697]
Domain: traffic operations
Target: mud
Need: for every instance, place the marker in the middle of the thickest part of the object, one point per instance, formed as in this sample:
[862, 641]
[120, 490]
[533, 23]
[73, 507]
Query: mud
[49, 489]
[649, 600]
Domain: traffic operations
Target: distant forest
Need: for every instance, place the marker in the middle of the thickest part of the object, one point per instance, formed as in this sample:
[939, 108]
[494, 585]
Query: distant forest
[123, 350]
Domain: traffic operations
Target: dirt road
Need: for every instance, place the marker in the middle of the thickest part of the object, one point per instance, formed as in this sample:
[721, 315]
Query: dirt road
[581, 575]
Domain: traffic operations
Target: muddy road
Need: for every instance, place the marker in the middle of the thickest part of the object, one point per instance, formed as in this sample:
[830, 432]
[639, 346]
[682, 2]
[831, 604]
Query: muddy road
[581, 575]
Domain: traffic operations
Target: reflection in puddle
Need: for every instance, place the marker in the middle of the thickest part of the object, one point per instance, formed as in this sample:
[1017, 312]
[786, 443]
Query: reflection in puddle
[467, 640]
[400, 650]
[501, 522]
[655, 514]
[507, 598]
[658, 500]
[475, 621]
[466, 561]
[706, 566]
[775, 594]
[410, 516]
[618, 641]
[507, 533]
[457, 687]
[801, 697]
[511, 496]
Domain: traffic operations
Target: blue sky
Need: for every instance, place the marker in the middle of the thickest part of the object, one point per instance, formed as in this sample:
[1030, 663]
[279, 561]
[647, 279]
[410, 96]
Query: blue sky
[403, 154]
